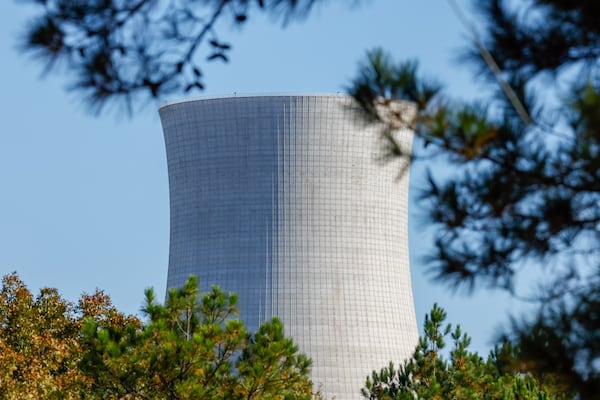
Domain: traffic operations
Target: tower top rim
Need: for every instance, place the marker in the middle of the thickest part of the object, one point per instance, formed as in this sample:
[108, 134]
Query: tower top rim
[251, 95]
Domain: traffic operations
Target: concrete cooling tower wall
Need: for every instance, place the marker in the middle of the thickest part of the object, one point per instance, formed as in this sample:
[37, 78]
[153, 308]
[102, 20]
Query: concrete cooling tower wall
[286, 201]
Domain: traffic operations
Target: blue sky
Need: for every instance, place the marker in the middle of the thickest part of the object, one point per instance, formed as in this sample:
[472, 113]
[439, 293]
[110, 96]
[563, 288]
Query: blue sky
[84, 200]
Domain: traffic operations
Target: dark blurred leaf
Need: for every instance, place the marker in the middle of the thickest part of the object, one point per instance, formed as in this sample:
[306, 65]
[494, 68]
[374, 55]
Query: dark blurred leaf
[150, 61]
[217, 56]
[518, 192]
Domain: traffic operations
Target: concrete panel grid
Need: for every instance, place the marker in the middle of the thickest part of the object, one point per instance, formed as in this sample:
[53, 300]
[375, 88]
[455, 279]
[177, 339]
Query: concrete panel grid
[284, 200]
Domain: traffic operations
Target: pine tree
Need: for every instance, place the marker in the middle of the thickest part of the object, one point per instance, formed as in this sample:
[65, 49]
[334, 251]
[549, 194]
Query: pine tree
[525, 190]
[131, 50]
[464, 375]
[192, 347]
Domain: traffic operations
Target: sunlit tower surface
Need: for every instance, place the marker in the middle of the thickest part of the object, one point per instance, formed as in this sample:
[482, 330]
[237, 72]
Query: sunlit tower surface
[286, 201]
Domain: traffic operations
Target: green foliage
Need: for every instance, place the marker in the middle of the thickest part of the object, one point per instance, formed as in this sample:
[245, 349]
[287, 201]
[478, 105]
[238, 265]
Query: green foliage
[464, 375]
[561, 343]
[523, 189]
[36, 343]
[269, 360]
[40, 346]
[192, 347]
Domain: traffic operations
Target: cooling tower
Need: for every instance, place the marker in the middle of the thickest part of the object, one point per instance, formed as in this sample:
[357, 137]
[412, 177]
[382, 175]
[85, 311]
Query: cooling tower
[286, 201]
